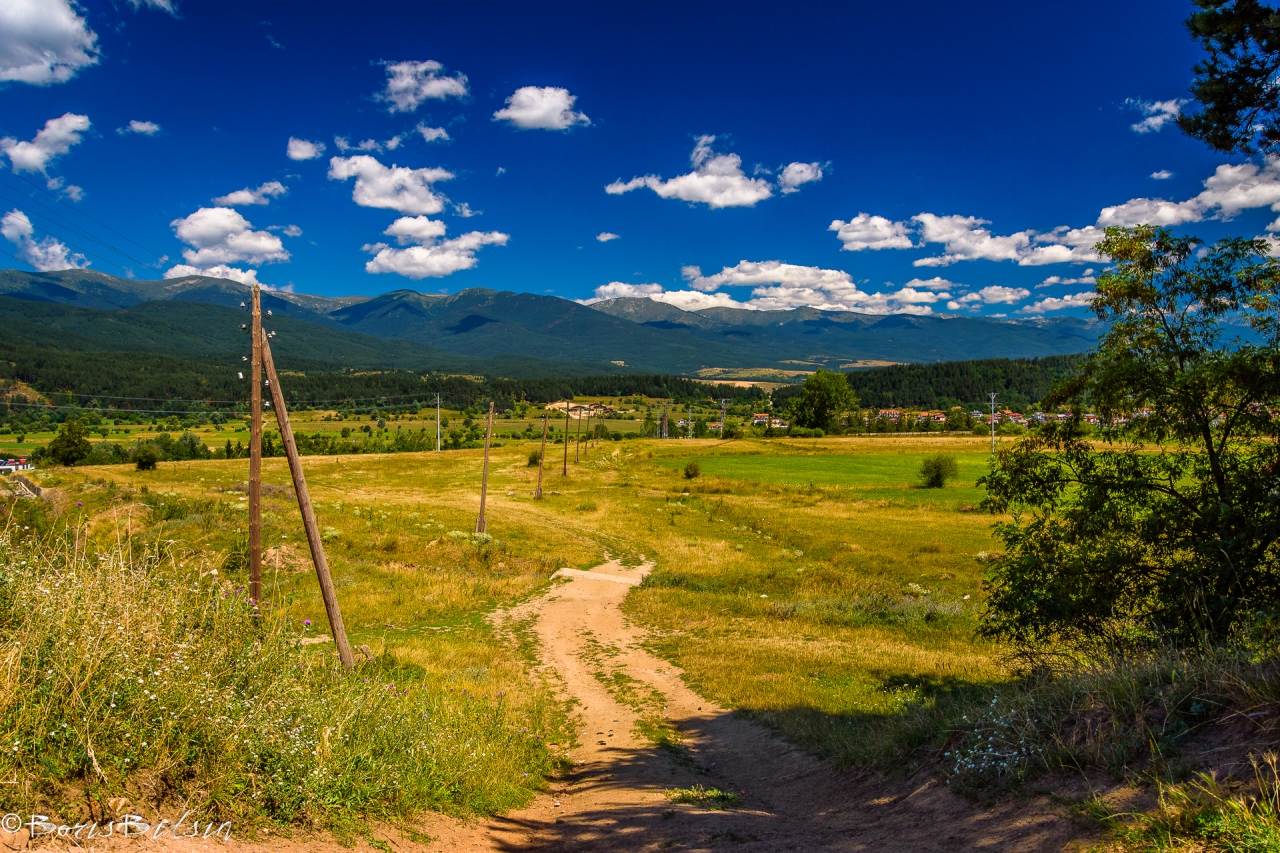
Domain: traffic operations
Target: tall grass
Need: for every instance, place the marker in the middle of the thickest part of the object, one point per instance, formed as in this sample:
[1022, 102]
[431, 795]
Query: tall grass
[132, 675]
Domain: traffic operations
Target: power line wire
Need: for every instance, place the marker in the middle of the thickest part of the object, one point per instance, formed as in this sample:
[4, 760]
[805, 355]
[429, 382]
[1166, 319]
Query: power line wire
[87, 216]
[70, 224]
[81, 249]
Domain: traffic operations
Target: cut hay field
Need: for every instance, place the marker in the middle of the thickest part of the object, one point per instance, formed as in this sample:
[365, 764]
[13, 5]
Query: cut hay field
[807, 582]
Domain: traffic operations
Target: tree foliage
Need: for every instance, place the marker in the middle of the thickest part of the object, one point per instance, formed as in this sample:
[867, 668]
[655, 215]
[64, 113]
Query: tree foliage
[71, 444]
[823, 401]
[1236, 84]
[1169, 527]
[936, 470]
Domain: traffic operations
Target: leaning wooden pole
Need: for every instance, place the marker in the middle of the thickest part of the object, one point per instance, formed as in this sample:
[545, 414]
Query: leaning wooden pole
[308, 512]
[484, 476]
[577, 444]
[542, 455]
[564, 472]
[255, 451]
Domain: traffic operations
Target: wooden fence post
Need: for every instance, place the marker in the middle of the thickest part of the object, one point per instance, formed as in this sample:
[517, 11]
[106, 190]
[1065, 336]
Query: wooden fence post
[542, 456]
[255, 452]
[308, 513]
[484, 477]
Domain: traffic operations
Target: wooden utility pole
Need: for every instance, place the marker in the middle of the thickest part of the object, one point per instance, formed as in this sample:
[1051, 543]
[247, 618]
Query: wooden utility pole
[437, 422]
[565, 471]
[484, 477]
[308, 513]
[255, 451]
[542, 456]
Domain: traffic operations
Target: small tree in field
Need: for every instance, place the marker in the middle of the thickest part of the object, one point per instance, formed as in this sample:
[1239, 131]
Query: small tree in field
[146, 457]
[71, 444]
[936, 470]
[692, 469]
[1169, 527]
[535, 457]
[823, 402]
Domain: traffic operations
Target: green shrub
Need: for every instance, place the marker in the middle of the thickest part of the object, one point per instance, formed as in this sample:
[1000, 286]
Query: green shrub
[535, 457]
[145, 457]
[692, 469]
[936, 470]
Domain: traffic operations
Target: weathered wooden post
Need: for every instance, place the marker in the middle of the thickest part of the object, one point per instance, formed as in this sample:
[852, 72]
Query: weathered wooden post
[484, 476]
[577, 443]
[565, 471]
[308, 512]
[255, 451]
[542, 456]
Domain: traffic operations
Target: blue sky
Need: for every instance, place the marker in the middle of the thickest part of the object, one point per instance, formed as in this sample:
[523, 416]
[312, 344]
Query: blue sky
[909, 157]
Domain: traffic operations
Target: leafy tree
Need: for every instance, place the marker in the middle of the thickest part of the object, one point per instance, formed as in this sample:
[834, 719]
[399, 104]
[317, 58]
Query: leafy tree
[936, 470]
[692, 469]
[71, 444]
[1169, 526]
[824, 400]
[1236, 83]
[146, 457]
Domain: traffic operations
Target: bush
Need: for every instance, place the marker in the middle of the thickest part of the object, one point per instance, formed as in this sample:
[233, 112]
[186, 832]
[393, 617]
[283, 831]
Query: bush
[936, 470]
[145, 457]
[692, 469]
[535, 457]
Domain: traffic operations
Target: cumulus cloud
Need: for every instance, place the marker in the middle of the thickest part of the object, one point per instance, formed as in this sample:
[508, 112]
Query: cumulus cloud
[304, 149]
[1162, 175]
[717, 180]
[1158, 113]
[261, 195]
[995, 295]
[777, 285]
[541, 108]
[865, 231]
[795, 174]
[43, 42]
[1228, 191]
[620, 289]
[392, 187]
[1064, 245]
[220, 235]
[1054, 280]
[464, 210]
[286, 230]
[1055, 303]
[44, 254]
[606, 236]
[216, 271]
[936, 283]
[432, 134]
[411, 83]
[427, 255]
[964, 239]
[54, 140]
[145, 128]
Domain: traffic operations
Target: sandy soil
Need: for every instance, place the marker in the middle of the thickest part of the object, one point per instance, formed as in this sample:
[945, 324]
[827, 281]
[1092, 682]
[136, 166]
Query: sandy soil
[613, 799]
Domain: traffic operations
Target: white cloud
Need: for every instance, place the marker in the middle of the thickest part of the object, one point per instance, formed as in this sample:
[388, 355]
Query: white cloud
[1151, 211]
[162, 5]
[44, 42]
[262, 195]
[1055, 280]
[1158, 113]
[304, 149]
[65, 190]
[936, 283]
[429, 257]
[145, 128]
[692, 300]
[432, 134]
[286, 230]
[995, 295]
[779, 285]
[620, 289]
[220, 235]
[394, 188]
[1064, 246]
[464, 210]
[865, 231]
[216, 271]
[45, 255]
[717, 180]
[606, 236]
[502, 170]
[411, 83]
[541, 108]
[1162, 175]
[964, 240]
[54, 140]
[795, 174]
[1054, 303]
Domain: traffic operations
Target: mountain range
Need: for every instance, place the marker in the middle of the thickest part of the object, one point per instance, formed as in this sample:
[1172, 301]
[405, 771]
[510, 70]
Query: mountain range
[498, 332]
